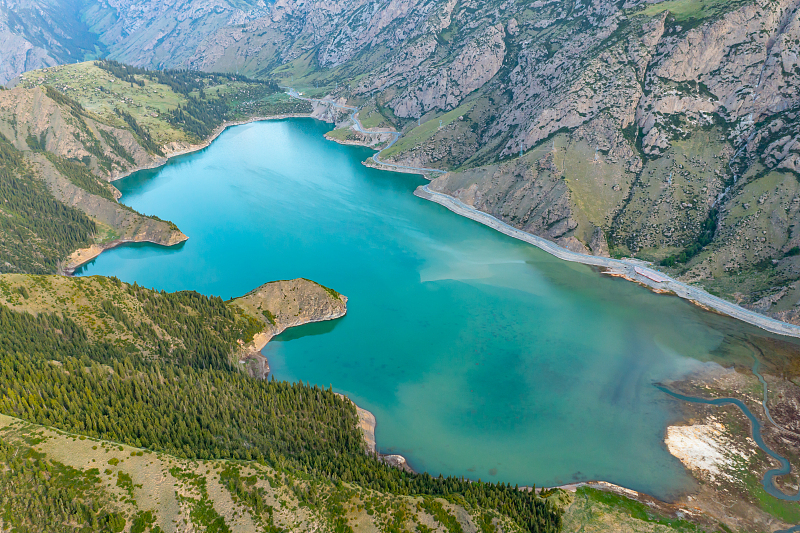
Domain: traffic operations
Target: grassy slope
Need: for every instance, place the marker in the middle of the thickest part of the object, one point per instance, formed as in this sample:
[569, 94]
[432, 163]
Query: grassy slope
[113, 386]
[126, 482]
[101, 93]
[163, 491]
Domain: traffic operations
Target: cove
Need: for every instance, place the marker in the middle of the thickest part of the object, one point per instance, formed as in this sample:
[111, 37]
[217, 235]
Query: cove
[479, 355]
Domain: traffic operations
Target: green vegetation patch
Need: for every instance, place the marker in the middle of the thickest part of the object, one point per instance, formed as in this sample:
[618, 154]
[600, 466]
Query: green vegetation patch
[36, 230]
[203, 109]
[786, 511]
[426, 130]
[38, 494]
[683, 10]
[637, 511]
[81, 176]
[208, 410]
[442, 515]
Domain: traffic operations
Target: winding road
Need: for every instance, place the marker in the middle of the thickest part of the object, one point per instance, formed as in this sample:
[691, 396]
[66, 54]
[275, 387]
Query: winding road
[395, 135]
[634, 270]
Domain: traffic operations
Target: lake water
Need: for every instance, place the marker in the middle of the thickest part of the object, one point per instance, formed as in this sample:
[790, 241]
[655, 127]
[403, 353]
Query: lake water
[479, 355]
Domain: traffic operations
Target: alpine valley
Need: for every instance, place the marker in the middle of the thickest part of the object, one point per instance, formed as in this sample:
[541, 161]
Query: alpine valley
[655, 141]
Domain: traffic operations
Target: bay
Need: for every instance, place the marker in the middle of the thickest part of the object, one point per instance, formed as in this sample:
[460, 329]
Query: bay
[479, 355]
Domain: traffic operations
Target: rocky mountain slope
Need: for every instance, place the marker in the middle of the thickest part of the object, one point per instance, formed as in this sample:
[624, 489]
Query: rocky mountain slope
[42, 33]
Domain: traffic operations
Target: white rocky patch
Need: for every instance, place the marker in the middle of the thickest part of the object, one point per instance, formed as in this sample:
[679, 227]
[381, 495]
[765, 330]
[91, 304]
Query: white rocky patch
[707, 450]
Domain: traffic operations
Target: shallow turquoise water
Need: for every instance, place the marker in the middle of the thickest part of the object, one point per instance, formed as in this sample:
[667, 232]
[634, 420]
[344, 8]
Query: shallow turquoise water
[479, 355]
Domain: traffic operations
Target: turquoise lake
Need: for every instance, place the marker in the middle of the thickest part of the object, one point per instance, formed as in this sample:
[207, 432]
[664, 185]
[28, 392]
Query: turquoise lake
[479, 355]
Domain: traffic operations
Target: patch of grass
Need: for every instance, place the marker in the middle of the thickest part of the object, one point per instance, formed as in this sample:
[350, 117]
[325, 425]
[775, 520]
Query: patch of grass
[333, 294]
[635, 509]
[342, 134]
[683, 10]
[441, 515]
[426, 130]
[789, 512]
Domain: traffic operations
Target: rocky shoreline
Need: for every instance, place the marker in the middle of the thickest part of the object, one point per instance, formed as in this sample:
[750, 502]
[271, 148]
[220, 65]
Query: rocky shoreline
[367, 423]
[280, 305]
[632, 270]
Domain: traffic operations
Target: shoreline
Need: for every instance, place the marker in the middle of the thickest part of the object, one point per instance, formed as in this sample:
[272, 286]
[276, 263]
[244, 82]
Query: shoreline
[93, 251]
[632, 270]
[367, 423]
[191, 148]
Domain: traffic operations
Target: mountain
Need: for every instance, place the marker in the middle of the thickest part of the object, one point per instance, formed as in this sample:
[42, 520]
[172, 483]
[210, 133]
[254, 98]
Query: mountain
[666, 131]
[43, 33]
[139, 418]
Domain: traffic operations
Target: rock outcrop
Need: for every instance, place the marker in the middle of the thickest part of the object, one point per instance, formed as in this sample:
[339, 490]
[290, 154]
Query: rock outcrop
[285, 304]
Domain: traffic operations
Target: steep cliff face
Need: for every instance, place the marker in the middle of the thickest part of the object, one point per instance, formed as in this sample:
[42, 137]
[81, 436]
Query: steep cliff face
[163, 34]
[41, 33]
[65, 154]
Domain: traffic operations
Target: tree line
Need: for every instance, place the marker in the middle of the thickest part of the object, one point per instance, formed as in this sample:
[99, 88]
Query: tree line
[37, 494]
[202, 113]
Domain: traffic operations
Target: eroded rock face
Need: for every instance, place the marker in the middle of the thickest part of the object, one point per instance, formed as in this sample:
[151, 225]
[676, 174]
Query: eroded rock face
[41, 33]
[665, 121]
[28, 113]
[444, 89]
